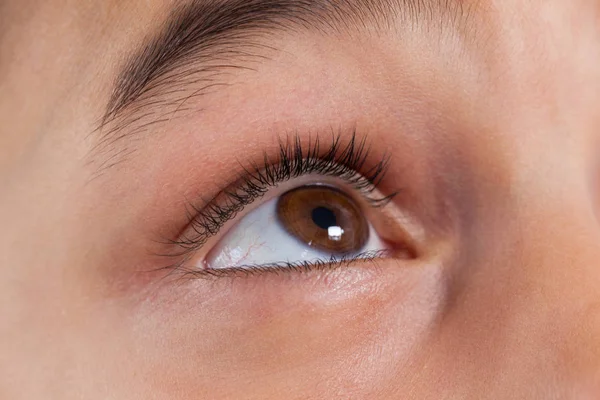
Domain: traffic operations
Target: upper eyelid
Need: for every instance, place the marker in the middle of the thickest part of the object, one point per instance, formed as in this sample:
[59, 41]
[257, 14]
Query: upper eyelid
[346, 161]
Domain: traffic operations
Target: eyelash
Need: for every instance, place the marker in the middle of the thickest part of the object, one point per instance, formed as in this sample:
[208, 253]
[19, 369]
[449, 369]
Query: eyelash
[346, 162]
[286, 267]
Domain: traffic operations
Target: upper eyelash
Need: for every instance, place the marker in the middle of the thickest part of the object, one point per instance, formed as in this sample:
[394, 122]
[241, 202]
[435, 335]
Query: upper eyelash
[294, 160]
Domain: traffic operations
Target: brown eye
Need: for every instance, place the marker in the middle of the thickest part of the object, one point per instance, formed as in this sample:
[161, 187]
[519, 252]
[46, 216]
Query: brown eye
[324, 218]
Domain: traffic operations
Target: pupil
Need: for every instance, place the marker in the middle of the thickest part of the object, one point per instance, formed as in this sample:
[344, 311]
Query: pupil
[324, 217]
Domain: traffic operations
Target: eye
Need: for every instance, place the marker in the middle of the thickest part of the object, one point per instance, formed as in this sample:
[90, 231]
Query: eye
[308, 206]
[309, 224]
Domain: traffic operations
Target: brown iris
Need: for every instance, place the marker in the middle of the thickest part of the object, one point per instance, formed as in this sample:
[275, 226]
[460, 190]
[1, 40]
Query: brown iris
[324, 218]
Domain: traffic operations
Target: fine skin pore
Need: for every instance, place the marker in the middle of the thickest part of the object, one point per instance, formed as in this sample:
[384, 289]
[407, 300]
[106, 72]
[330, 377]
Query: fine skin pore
[490, 114]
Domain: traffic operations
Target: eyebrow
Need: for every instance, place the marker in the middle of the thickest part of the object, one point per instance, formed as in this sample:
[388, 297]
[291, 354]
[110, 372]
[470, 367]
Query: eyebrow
[202, 40]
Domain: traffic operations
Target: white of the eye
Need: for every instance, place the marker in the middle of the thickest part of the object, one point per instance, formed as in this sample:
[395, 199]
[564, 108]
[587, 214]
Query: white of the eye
[259, 239]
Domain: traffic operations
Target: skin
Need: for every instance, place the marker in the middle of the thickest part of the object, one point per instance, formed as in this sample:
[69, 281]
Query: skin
[494, 145]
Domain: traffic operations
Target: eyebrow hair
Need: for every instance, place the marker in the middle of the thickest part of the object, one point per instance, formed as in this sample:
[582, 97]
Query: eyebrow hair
[202, 40]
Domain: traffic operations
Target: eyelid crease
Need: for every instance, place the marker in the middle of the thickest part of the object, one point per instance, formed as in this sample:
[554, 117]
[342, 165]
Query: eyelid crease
[350, 162]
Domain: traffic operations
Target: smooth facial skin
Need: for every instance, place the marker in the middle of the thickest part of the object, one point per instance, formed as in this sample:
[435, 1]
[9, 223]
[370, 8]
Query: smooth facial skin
[489, 111]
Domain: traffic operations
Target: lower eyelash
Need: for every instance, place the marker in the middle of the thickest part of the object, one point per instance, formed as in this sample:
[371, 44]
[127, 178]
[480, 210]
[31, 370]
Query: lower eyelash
[285, 267]
[346, 162]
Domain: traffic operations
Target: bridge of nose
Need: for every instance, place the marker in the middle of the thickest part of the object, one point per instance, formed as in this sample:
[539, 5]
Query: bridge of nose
[527, 285]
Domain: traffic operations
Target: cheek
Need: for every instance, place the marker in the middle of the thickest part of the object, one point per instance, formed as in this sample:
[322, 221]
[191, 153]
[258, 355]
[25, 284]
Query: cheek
[338, 331]
[594, 184]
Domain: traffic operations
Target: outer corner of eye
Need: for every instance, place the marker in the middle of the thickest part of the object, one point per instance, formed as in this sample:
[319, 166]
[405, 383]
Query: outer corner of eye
[306, 225]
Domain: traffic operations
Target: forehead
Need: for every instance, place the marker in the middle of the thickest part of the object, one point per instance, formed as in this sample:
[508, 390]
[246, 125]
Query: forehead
[198, 37]
[82, 50]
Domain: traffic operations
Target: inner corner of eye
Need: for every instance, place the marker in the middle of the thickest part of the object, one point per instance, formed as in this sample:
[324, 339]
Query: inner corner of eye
[308, 224]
